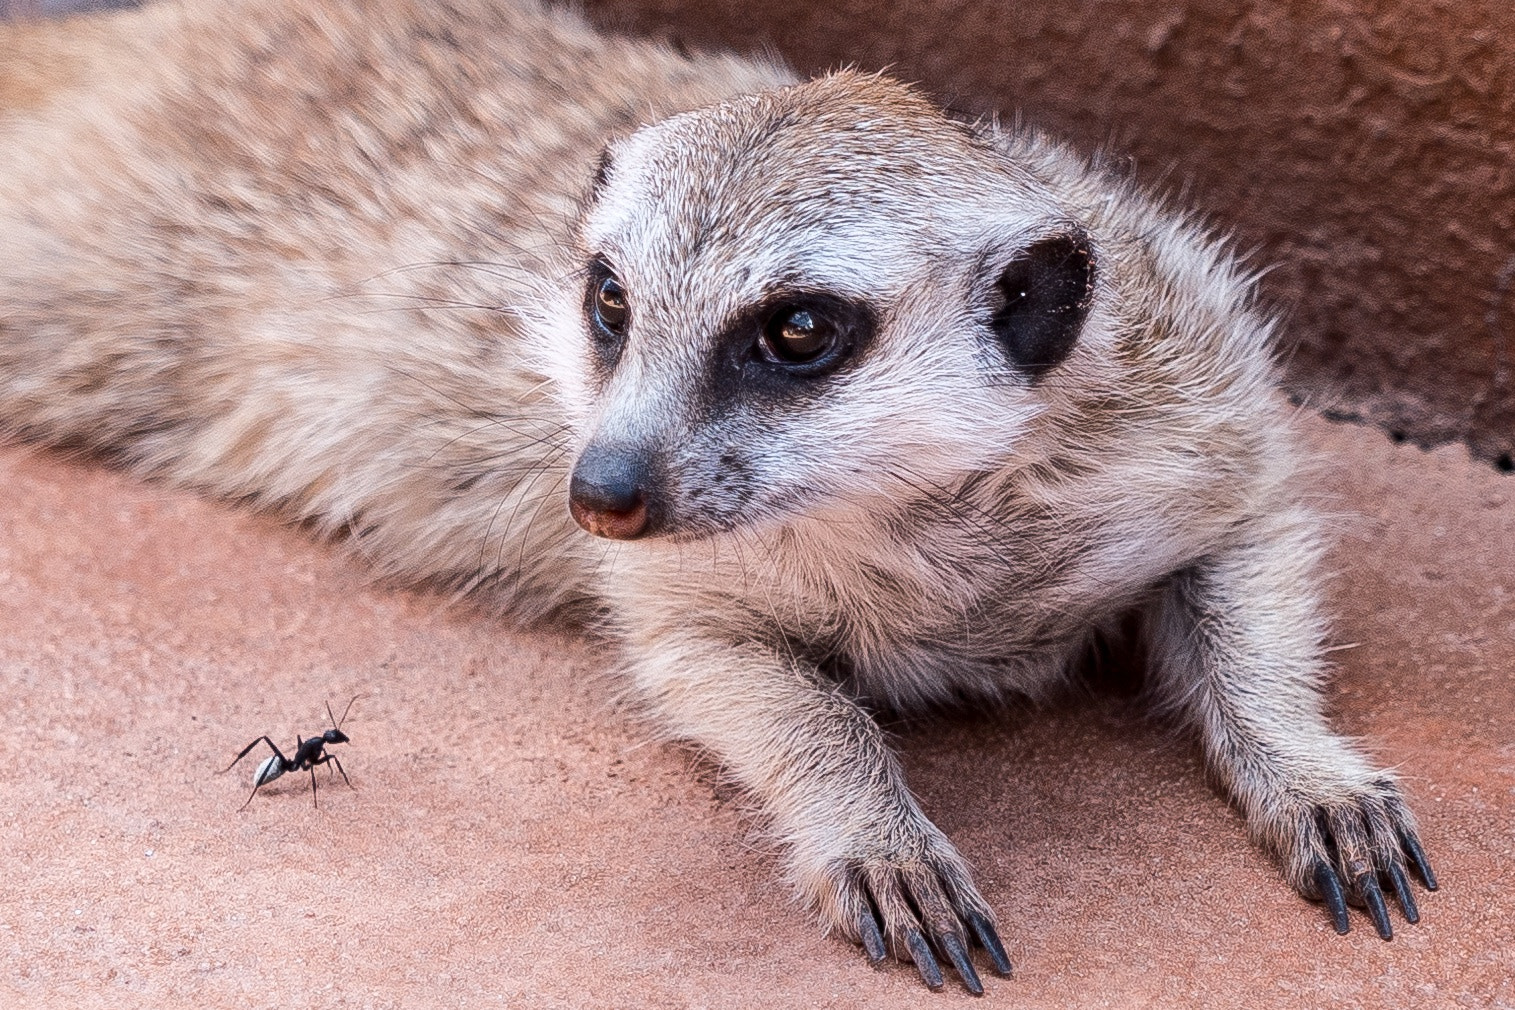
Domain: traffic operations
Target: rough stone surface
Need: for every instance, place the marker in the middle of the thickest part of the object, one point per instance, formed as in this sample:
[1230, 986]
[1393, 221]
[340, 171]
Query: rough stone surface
[1365, 148]
[513, 840]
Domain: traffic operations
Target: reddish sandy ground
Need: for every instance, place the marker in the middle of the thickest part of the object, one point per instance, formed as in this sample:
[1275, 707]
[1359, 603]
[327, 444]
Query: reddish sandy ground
[512, 841]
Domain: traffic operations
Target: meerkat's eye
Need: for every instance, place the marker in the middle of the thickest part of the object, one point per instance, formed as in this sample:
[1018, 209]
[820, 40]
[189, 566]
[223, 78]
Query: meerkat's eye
[802, 335]
[798, 335]
[607, 305]
[610, 308]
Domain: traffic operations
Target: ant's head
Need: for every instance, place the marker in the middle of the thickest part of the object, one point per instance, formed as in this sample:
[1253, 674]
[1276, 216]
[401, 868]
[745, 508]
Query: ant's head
[335, 734]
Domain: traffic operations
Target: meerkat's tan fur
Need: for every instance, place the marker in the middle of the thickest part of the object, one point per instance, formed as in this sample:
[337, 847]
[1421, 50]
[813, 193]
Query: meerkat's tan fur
[331, 259]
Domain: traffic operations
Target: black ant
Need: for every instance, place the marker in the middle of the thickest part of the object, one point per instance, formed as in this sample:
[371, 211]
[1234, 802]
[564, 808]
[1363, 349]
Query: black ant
[308, 754]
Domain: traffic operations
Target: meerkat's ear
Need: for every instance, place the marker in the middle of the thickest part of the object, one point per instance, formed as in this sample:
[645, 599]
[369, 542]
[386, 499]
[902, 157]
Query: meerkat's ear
[1041, 300]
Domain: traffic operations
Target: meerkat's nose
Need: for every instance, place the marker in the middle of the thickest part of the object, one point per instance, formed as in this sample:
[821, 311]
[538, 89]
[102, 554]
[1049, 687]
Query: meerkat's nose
[609, 490]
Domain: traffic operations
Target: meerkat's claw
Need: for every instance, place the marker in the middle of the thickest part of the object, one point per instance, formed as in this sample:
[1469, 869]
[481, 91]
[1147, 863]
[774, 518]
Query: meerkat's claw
[1372, 896]
[952, 945]
[1402, 892]
[988, 938]
[925, 961]
[872, 940]
[1329, 886]
[1422, 865]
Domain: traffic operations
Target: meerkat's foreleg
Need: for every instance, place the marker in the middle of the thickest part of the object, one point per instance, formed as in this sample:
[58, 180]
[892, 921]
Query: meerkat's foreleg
[1237, 642]
[861, 851]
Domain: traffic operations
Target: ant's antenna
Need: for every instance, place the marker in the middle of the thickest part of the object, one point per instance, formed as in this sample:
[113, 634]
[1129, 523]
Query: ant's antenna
[335, 722]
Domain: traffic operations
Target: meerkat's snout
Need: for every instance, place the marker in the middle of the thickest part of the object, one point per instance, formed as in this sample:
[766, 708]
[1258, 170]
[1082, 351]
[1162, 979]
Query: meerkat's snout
[612, 491]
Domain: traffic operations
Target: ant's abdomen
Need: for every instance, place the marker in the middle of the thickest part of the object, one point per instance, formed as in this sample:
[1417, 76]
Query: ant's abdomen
[270, 769]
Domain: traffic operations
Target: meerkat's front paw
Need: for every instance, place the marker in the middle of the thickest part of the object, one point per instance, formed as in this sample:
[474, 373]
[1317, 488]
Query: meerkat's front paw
[1347, 847]
[921, 903]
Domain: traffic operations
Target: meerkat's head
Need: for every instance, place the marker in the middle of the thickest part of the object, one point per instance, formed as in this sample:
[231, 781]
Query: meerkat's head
[824, 296]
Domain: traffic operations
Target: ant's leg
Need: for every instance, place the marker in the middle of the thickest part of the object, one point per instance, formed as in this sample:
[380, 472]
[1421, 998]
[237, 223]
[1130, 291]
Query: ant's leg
[256, 787]
[332, 759]
[313, 801]
[249, 747]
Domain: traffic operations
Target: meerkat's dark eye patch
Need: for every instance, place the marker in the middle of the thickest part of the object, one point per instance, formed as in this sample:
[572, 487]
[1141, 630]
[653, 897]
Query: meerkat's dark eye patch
[1043, 298]
[607, 306]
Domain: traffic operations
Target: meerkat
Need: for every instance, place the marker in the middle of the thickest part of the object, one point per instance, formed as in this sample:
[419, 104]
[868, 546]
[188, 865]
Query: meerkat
[818, 401]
